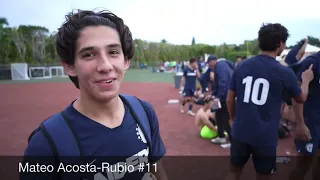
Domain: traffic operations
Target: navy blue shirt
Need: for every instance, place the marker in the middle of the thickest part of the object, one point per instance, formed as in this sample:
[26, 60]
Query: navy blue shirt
[311, 105]
[222, 77]
[205, 77]
[259, 83]
[126, 141]
[190, 76]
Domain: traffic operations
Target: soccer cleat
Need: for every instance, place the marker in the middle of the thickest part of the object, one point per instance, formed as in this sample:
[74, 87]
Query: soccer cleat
[219, 140]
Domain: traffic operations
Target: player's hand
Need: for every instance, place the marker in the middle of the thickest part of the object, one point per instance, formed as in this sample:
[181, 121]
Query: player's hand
[196, 66]
[307, 75]
[303, 133]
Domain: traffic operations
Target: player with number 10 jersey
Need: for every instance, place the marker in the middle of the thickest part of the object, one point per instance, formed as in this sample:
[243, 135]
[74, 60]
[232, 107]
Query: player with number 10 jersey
[259, 83]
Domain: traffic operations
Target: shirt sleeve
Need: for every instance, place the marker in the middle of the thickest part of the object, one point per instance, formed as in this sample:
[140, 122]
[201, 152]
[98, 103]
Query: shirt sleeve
[38, 151]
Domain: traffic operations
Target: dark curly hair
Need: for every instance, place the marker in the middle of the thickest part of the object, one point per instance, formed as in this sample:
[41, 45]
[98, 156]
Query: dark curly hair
[68, 34]
[271, 35]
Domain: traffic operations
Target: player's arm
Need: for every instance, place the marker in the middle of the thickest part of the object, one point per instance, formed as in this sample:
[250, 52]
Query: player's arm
[198, 72]
[158, 148]
[212, 76]
[231, 97]
[183, 79]
[205, 120]
[211, 82]
[302, 49]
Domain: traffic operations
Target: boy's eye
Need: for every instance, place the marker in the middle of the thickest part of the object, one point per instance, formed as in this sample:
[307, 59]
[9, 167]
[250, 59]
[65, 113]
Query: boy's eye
[114, 52]
[88, 55]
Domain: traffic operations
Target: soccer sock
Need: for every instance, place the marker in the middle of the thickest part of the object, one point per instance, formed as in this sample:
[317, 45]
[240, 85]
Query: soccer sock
[190, 107]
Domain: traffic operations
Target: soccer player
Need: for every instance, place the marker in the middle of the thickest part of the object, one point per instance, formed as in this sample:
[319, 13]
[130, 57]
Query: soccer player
[95, 49]
[222, 76]
[308, 126]
[206, 79]
[238, 60]
[257, 85]
[189, 85]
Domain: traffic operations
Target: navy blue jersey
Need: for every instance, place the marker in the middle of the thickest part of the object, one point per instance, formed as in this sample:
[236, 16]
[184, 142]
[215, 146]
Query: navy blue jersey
[205, 77]
[311, 106]
[259, 83]
[126, 142]
[190, 76]
[314, 89]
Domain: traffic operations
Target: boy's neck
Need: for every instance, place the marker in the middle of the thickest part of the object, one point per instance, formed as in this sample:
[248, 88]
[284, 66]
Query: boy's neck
[270, 53]
[100, 111]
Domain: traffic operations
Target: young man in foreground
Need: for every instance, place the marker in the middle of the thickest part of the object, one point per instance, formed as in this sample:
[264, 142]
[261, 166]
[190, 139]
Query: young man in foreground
[258, 84]
[189, 84]
[95, 49]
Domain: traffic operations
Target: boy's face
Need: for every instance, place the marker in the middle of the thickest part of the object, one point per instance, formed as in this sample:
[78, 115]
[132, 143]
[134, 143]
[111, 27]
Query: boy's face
[99, 62]
[194, 65]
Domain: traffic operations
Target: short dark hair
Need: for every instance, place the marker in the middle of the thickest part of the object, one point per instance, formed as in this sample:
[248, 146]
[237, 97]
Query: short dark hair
[271, 35]
[207, 99]
[238, 57]
[244, 57]
[212, 58]
[192, 60]
[69, 32]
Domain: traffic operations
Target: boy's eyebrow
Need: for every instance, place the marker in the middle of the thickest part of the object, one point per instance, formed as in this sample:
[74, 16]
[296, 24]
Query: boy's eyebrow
[90, 48]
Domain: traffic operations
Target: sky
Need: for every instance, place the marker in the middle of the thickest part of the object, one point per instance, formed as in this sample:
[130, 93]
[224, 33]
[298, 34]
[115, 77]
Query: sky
[177, 21]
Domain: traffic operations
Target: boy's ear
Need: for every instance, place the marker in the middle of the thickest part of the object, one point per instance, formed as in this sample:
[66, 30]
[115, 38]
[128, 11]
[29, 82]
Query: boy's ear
[69, 69]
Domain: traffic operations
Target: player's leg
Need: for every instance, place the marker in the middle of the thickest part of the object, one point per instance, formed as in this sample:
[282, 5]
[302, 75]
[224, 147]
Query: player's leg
[192, 94]
[239, 153]
[222, 118]
[316, 168]
[185, 100]
[304, 160]
[307, 150]
[264, 161]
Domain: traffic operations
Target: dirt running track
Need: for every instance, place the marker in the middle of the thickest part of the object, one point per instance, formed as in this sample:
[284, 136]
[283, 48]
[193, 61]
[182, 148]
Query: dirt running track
[24, 106]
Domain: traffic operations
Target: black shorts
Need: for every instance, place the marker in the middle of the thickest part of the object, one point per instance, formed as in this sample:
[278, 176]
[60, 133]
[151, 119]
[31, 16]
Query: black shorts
[264, 158]
[189, 93]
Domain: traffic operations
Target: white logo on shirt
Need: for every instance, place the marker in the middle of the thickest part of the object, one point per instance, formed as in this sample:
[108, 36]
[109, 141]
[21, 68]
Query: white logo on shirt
[140, 134]
[309, 147]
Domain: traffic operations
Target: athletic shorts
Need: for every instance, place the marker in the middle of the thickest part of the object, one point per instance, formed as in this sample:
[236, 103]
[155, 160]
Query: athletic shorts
[204, 87]
[189, 93]
[310, 148]
[264, 158]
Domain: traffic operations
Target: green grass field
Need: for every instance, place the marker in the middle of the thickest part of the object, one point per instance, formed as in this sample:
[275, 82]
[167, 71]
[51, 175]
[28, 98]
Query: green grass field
[132, 75]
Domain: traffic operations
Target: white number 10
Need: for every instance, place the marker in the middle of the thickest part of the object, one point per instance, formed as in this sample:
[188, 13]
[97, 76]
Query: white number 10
[255, 90]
